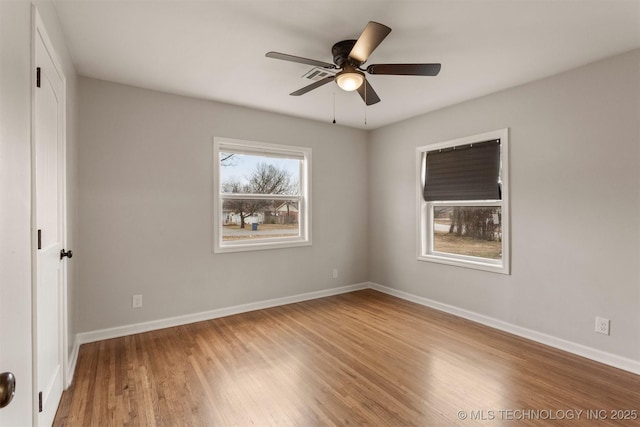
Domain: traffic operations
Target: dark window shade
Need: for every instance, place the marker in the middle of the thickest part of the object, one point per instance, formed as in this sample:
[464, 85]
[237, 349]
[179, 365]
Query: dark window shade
[467, 172]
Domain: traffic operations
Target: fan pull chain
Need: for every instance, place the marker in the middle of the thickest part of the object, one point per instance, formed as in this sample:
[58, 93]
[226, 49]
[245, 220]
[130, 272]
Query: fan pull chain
[365, 101]
[334, 107]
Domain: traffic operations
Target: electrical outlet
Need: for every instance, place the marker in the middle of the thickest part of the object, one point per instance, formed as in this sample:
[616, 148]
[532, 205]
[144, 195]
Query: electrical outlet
[335, 273]
[136, 301]
[602, 325]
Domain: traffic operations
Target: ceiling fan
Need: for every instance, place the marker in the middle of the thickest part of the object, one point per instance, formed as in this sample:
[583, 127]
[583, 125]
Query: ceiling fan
[349, 56]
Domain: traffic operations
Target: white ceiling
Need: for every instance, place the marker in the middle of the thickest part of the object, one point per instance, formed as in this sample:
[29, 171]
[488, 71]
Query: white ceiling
[215, 49]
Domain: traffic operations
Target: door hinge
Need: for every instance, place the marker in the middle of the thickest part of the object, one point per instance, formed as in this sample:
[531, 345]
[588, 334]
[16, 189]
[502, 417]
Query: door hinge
[39, 239]
[40, 402]
[38, 77]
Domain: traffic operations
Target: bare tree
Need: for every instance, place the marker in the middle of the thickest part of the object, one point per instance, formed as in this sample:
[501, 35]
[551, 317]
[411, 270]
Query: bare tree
[268, 179]
[239, 206]
[226, 159]
[264, 179]
[477, 223]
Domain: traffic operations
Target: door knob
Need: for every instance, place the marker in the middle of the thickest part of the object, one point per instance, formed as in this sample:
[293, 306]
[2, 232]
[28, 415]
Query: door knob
[7, 388]
[64, 253]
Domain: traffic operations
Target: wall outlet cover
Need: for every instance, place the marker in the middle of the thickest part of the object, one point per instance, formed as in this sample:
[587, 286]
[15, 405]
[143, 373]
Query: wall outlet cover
[602, 325]
[136, 301]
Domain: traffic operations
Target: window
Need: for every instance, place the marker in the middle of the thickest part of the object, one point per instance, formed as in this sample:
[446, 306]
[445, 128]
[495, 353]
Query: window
[463, 207]
[261, 195]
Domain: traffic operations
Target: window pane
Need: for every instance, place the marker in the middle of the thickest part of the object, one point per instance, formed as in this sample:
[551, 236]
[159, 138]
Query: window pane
[255, 174]
[249, 219]
[468, 230]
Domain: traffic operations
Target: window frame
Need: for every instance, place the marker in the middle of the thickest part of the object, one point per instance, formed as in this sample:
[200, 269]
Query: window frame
[425, 222]
[225, 145]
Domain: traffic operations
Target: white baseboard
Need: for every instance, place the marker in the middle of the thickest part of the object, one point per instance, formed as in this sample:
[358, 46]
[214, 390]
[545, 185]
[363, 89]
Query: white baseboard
[72, 361]
[559, 343]
[121, 331]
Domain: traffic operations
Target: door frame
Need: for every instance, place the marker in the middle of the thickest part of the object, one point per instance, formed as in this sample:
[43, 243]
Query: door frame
[39, 30]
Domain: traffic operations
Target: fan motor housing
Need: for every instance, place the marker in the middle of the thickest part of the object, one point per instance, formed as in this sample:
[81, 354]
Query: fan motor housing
[341, 52]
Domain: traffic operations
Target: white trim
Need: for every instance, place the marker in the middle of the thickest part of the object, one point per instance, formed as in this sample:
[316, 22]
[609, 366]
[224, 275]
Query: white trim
[424, 251]
[121, 331]
[559, 343]
[73, 361]
[258, 148]
[430, 254]
[604, 357]
[222, 144]
[264, 244]
[254, 196]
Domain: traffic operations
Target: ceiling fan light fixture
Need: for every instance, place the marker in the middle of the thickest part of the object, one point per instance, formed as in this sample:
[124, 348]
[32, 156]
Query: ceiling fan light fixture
[349, 79]
[348, 58]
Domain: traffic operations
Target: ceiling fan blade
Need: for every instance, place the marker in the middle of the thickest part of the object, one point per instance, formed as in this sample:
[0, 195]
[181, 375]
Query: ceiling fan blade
[371, 37]
[405, 69]
[313, 86]
[369, 97]
[301, 60]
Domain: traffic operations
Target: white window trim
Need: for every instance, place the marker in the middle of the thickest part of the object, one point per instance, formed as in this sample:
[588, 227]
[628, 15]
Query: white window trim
[424, 209]
[221, 144]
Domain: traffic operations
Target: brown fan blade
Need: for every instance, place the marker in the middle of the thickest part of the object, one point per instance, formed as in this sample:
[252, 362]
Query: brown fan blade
[371, 37]
[369, 97]
[313, 86]
[301, 60]
[405, 69]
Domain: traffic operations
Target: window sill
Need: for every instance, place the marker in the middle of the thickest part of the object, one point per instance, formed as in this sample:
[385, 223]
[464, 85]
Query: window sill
[246, 247]
[466, 263]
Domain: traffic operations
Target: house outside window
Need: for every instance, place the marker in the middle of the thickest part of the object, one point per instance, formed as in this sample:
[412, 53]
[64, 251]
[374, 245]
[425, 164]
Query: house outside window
[462, 202]
[261, 195]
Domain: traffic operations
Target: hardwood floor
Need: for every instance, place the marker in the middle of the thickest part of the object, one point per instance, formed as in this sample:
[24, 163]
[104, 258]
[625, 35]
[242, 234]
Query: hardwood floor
[363, 358]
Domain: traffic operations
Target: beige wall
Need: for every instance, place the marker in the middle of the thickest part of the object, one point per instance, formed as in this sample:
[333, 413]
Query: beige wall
[15, 206]
[139, 193]
[575, 204]
[145, 208]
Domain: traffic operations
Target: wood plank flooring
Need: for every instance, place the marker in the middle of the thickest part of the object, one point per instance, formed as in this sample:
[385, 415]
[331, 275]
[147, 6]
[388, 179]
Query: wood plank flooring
[363, 358]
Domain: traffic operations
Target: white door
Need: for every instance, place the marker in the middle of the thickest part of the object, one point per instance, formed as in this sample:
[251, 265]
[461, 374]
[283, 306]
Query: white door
[49, 136]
